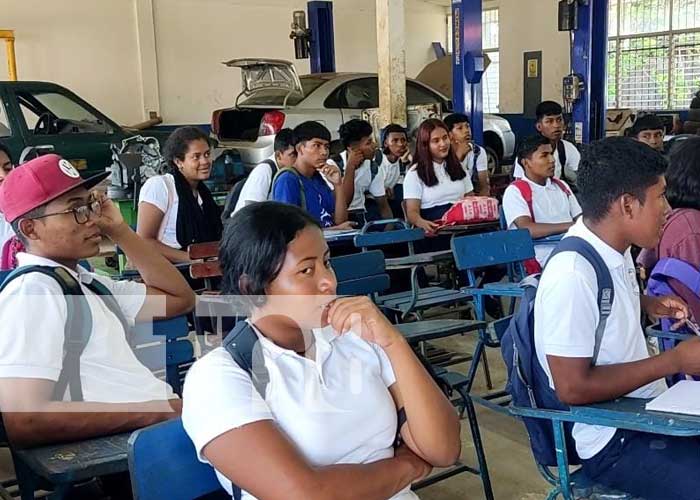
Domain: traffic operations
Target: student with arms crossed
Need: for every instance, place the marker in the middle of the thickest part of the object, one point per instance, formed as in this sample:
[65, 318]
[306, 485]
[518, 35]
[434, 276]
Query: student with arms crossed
[306, 183]
[472, 156]
[539, 202]
[622, 192]
[325, 424]
[62, 221]
[550, 124]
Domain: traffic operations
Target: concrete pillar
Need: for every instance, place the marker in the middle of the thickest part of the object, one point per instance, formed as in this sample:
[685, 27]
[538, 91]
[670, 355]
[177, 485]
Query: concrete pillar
[391, 61]
[148, 61]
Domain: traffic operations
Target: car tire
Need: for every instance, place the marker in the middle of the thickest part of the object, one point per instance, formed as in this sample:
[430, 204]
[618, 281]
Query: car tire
[493, 162]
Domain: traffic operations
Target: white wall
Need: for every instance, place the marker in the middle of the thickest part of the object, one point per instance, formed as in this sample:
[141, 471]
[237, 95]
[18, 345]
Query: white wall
[529, 25]
[91, 47]
[88, 46]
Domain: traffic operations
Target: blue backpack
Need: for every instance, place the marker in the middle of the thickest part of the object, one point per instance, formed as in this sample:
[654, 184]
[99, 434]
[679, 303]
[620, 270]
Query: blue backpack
[528, 384]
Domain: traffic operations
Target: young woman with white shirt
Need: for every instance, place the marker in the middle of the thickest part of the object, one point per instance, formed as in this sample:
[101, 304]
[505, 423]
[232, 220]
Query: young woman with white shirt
[339, 374]
[177, 209]
[437, 180]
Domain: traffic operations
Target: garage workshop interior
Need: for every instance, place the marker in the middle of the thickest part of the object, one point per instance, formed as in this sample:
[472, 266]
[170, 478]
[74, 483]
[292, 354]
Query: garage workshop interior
[350, 250]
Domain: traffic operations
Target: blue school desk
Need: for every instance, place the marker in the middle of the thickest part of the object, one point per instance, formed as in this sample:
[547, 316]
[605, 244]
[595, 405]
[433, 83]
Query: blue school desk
[622, 413]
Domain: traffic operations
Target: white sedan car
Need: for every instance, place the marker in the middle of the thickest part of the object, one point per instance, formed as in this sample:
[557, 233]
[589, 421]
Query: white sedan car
[274, 96]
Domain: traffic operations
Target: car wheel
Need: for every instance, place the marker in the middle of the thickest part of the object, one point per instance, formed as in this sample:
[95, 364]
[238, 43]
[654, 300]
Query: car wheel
[493, 162]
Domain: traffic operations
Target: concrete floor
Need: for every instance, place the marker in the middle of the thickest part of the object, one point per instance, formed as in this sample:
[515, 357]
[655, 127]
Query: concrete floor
[514, 475]
[511, 466]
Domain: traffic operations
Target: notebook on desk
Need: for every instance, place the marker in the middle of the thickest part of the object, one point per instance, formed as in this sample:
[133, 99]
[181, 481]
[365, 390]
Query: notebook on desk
[683, 397]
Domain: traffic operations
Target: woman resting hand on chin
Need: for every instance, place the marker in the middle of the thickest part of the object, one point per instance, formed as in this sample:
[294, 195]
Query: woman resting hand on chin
[325, 424]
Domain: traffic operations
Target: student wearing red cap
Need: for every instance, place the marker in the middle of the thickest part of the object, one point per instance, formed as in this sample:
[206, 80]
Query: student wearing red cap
[61, 221]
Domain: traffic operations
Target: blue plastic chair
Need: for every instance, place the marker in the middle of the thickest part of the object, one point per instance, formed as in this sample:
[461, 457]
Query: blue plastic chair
[364, 274]
[163, 464]
[479, 251]
[416, 300]
[164, 348]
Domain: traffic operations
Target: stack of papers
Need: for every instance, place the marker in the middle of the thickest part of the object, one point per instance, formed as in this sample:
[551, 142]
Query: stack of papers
[683, 397]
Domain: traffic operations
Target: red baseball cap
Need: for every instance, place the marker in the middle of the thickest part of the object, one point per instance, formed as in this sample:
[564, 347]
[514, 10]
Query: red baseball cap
[38, 182]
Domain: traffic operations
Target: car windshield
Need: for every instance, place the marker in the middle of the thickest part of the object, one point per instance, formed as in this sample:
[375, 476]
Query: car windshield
[272, 97]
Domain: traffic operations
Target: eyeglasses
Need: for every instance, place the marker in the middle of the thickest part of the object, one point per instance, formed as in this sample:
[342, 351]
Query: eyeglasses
[81, 213]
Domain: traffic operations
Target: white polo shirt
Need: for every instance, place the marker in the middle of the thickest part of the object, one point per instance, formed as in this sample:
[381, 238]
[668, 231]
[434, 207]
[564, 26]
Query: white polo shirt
[391, 171]
[336, 409]
[160, 192]
[573, 158]
[550, 205]
[566, 316]
[33, 311]
[364, 183]
[257, 185]
[482, 162]
[446, 191]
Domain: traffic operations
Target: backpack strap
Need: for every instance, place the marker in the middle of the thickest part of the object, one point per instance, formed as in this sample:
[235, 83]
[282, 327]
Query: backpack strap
[679, 270]
[606, 290]
[561, 152]
[475, 173]
[243, 346]
[296, 174]
[526, 192]
[273, 172]
[77, 331]
[107, 297]
[561, 184]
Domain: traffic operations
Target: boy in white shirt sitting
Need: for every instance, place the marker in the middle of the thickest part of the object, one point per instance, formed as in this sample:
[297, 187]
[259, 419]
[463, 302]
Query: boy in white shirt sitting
[551, 124]
[395, 159]
[472, 156]
[258, 185]
[361, 172]
[539, 202]
[622, 191]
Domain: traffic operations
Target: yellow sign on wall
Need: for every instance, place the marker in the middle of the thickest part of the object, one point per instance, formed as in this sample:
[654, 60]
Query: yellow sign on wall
[533, 69]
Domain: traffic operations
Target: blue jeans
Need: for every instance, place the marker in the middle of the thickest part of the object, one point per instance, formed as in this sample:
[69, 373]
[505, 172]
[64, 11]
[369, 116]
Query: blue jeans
[650, 466]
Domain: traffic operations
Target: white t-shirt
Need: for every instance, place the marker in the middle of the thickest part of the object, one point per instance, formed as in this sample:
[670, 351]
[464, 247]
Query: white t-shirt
[446, 191]
[160, 192]
[482, 162]
[336, 409]
[257, 186]
[550, 204]
[392, 172]
[109, 369]
[566, 316]
[573, 157]
[6, 231]
[364, 183]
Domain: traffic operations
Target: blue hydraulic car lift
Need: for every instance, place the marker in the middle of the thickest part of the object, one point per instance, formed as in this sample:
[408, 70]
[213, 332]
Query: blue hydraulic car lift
[589, 57]
[322, 47]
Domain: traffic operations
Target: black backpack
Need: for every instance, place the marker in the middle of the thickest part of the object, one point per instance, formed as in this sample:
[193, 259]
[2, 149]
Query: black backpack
[235, 193]
[78, 323]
